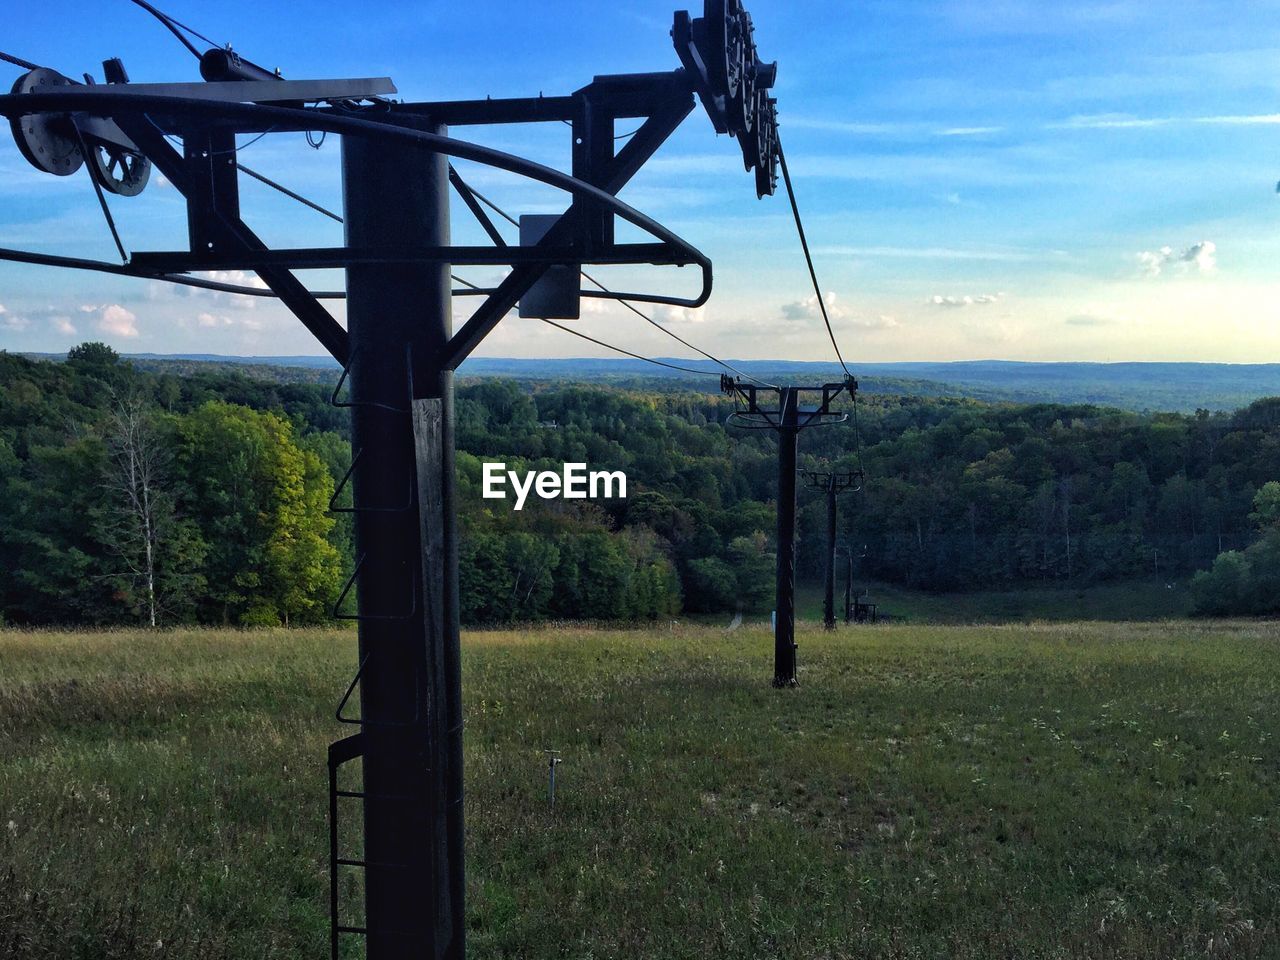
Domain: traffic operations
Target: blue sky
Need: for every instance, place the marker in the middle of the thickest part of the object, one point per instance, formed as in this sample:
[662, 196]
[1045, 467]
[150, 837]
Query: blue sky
[1085, 181]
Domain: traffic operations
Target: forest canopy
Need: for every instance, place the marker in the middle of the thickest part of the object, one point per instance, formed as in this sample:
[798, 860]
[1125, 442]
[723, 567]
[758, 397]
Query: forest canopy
[130, 495]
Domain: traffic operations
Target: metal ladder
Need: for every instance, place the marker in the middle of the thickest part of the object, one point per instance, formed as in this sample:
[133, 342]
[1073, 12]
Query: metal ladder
[352, 748]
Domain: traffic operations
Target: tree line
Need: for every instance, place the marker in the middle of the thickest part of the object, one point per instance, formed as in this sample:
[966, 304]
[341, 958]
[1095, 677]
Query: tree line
[143, 495]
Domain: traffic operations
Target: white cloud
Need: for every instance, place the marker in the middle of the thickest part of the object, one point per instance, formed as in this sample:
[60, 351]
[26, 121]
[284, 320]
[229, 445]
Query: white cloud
[969, 131]
[892, 128]
[1252, 119]
[1204, 255]
[216, 320]
[882, 322]
[11, 321]
[1122, 121]
[807, 308]
[240, 278]
[1200, 257]
[943, 253]
[969, 300]
[1109, 121]
[1090, 320]
[856, 127]
[666, 313]
[1000, 332]
[113, 319]
[158, 290]
[1152, 261]
[56, 319]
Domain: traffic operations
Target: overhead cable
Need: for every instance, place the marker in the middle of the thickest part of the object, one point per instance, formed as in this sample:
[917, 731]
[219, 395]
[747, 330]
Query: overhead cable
[808, 257]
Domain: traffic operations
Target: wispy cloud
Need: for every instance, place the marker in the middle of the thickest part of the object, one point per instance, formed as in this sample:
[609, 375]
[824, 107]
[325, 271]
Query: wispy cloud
[857, 127]
[969, 300]
[881, 322]
[943, 253]
[1120, 121]
[968, 131]
[215, 320]
[1000, 332]
[875, 128]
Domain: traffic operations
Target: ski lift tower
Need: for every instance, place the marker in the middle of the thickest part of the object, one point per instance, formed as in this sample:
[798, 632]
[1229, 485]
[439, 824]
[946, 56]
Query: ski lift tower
[777, 408]
[833, 484]
[399, 351]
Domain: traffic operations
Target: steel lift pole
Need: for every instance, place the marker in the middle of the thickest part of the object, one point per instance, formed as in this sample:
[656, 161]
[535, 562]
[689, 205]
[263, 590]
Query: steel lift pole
[829, 588]
[787, 420]
[784, 634]
[848, 588]
[832, 484]
[399, 322]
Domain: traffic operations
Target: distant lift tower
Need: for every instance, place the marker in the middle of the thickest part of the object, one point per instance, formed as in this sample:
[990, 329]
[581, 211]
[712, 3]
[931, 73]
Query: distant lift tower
[782, 413]
[399, 351]
[833, 484]
[852, 558]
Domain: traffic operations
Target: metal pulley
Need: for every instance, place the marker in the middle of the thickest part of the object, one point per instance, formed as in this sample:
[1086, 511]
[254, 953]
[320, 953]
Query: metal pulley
[742, 102]
[118, 170]
[719, 51]
[766, 146]
[48, 140]
[726, 44]
[61, 143]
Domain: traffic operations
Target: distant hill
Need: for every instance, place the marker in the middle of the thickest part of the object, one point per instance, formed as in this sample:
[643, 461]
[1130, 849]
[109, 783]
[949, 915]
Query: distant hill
[1182, 387]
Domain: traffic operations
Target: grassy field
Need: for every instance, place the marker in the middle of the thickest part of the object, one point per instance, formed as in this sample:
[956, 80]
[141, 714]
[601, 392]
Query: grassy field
[1075, 790]
[1126, 600]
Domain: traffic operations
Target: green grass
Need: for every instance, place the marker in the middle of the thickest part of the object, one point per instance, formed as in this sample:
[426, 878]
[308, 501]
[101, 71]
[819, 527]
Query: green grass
[1073, 790]
[1126, 600]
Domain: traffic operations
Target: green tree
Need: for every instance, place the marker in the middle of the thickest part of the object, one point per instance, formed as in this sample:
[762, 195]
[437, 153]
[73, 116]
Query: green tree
[1266, 507]
[713, 585]
[754, 568]
[93, 355]
[57, 574]
[261, 501]
[156, 555]
[1224, 588]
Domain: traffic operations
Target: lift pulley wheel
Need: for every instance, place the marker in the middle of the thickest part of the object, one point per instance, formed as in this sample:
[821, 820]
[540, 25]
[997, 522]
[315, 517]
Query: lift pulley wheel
[118, 170]
[47, 140]
[742, 102]
[722, 21]
[766, 143]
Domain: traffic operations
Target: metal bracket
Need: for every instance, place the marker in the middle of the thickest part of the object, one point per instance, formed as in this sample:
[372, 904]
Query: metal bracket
[346, 590]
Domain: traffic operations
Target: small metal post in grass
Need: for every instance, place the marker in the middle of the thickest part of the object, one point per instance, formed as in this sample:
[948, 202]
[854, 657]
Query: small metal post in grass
[553, 761]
